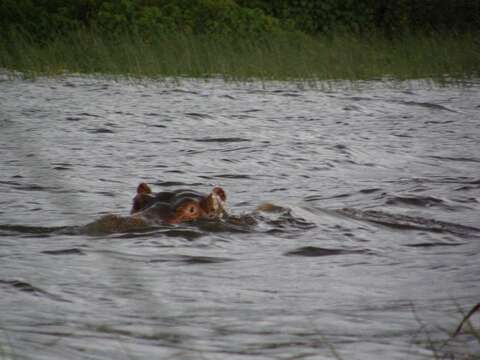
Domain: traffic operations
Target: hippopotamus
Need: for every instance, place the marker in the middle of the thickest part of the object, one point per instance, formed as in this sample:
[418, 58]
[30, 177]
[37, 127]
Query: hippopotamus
[174, 207]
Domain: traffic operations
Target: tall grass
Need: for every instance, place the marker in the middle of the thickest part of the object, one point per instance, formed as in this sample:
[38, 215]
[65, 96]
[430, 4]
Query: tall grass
[461, 344]
[279, 56]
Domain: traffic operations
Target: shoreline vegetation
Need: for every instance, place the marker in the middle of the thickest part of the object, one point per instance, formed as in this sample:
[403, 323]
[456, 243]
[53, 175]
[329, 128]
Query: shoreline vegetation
[284, 56]
[243, 39]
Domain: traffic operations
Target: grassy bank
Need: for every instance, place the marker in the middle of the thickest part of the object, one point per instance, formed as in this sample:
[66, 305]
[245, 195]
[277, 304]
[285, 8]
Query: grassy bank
[279, 56]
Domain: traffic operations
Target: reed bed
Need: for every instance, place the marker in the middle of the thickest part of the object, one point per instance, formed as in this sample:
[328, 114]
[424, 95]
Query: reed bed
[271, 56]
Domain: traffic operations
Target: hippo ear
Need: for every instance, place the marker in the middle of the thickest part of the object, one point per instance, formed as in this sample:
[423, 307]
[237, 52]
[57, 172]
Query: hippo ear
[143, 188]
[220, 192]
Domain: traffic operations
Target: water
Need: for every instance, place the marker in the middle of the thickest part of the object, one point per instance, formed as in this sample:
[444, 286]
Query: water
[372, 251]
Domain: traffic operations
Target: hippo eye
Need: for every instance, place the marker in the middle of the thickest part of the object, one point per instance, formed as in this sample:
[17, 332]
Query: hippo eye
[192, 209]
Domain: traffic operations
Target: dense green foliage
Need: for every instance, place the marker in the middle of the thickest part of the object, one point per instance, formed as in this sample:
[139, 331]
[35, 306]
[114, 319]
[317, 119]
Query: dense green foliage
[46, 18]
[389, 16]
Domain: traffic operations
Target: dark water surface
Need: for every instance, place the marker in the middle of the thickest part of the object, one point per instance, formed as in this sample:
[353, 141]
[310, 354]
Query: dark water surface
[371, 253]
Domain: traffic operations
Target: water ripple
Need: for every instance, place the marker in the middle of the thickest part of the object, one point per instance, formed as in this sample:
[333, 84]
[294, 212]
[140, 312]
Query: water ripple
[30, 289]
[222, 140]
[70, 251]
[313, 251]
[399, 161]
[409, 222]
[190, 260]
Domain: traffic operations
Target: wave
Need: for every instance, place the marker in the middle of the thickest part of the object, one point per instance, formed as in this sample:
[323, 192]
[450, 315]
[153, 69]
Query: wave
[409, 222]
[31, 289]
[37, 230]
[313, 251]
[421, 201]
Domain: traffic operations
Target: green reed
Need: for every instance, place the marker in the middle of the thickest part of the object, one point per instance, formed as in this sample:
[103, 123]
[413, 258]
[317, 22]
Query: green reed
[461, 343]
[276, 56]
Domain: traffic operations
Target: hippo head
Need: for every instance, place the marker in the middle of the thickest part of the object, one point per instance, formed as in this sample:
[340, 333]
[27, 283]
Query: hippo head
[179, 205]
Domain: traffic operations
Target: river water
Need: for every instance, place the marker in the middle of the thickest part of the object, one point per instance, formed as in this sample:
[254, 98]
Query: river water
[371, 253]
